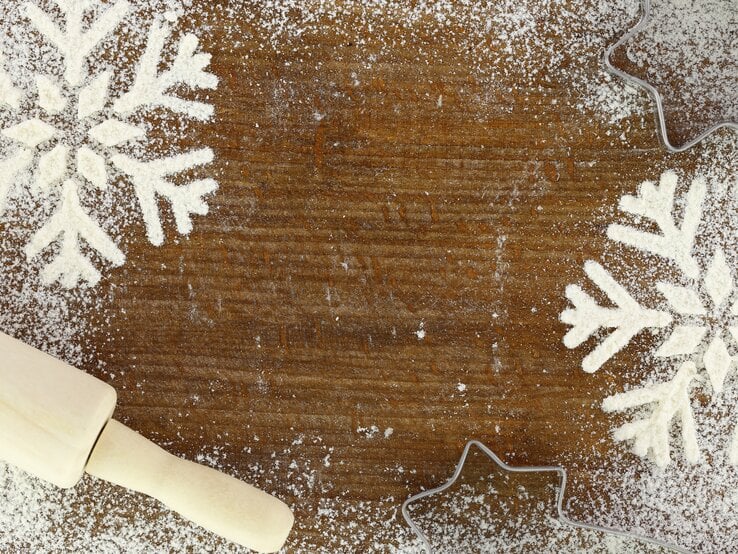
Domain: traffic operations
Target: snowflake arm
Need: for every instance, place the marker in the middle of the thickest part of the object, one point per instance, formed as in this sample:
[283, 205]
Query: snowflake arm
[50, 96]
[628, 318]
[150, 88]
[92, 167]
[74, 44]
[149, 180]
[684, 339]
[93, 97]
[9, 169]
[51, 167]
[69, 224]
[651, 433]
[656, 203]
[9, 95]
[717, 361]
[683, 300]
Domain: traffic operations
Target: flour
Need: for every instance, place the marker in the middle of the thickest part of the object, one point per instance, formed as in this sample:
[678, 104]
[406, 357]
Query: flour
[91, 126]
[683, 378]
[702, 331]
[505, 45]
[693, 69]
[489, 511]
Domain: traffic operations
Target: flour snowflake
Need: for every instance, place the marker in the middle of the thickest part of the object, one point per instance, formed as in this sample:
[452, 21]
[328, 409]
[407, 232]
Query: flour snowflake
[72, 136]
[701, 319]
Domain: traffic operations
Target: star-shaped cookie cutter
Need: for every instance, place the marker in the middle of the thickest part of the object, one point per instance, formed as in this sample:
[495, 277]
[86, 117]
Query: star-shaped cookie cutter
[633, 80]
[560, 514]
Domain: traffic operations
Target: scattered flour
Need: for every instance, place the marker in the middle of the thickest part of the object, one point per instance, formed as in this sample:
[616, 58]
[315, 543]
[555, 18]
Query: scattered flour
[64, 131]
[504, 45]
[679, 410]
[489, 510]
[368, 432]
[509, 46]
[699, 90]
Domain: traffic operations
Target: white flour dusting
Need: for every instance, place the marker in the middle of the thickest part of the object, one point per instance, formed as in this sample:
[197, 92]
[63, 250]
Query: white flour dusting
[489, 510]
[700, 311]
[507, 46]
[72, 127]
[70, 134]
[679, 410]
[688, 53]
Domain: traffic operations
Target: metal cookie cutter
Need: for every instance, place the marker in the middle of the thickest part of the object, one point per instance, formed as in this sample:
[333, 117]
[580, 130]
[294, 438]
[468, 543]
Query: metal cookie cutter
[642, 24]
[561, 516]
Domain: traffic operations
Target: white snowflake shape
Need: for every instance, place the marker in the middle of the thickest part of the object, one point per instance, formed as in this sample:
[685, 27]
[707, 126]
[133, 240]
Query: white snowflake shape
[700, 331]
[85, 103]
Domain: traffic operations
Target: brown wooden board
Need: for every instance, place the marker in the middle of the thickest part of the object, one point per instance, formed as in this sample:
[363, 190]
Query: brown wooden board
[389, 246]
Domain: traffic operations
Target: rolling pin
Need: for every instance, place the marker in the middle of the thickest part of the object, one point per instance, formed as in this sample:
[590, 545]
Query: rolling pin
[55, 423]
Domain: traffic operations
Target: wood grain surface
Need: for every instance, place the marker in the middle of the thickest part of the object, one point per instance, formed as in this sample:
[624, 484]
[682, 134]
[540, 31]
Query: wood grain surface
[389, 247]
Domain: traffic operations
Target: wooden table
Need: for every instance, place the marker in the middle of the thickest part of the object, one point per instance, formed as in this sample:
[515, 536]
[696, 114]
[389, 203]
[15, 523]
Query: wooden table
[381, 274]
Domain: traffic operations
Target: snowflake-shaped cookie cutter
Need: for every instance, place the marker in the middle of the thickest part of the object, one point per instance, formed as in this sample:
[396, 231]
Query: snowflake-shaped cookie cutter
[560, 513]
[657, 98]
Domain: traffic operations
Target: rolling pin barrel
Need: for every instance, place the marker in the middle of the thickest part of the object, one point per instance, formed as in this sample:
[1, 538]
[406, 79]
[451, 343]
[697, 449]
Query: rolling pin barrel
[50, 413]
[55, 424]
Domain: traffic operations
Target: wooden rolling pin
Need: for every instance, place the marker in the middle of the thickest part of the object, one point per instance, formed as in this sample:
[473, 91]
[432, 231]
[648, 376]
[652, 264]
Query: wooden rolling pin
[55, 423]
